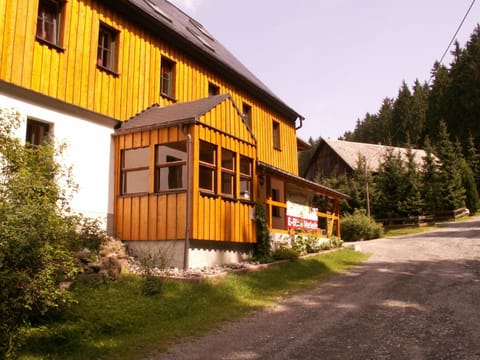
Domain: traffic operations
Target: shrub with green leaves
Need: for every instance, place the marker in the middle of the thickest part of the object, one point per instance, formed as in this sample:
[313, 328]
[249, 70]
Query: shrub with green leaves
[285, 253]
[358, 226]
[263, 247]
[37, 233]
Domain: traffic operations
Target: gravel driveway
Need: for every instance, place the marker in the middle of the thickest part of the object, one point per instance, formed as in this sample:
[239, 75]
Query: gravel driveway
[417, 297]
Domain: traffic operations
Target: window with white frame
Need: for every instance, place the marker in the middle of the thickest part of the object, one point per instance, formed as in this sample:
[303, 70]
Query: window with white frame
[171, 166]
[135, 170]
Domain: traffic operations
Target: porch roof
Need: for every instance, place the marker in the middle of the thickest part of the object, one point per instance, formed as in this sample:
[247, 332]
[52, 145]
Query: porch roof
[310, 185]
[156, 117]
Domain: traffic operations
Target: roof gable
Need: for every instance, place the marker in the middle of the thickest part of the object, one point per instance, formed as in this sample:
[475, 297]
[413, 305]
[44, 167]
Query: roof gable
[191, 112]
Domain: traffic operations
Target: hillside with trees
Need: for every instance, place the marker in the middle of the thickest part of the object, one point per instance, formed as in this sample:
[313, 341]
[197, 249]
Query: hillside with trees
[441, 116]
[451, 95]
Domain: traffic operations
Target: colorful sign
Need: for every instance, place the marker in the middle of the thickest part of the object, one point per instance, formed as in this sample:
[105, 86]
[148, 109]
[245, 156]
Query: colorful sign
[301, 217]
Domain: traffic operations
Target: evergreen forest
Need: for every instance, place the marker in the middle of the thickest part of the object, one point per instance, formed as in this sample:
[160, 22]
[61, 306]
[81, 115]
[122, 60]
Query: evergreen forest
[442, 116]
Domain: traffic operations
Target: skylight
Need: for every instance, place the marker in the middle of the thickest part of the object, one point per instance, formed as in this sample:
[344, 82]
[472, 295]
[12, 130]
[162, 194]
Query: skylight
[159, 11]
[201, 39]
[201, 28]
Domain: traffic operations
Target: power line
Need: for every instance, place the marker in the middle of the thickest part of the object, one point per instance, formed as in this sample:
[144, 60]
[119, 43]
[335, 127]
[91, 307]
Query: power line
[455, 35]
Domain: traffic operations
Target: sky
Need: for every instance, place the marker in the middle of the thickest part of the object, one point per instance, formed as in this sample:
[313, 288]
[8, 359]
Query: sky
[333, 61]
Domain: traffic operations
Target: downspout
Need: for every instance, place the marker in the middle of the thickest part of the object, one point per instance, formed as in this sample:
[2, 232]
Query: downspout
[301, 118]
[189, 191]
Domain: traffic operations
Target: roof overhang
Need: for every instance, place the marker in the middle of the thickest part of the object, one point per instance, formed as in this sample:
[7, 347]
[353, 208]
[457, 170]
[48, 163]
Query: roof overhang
[304, 183]
[303, 145]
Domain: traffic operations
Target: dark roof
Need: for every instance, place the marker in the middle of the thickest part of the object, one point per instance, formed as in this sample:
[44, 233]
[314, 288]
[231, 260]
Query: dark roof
[162, 13]
[182, 113]
[303, 145]
[301, 181]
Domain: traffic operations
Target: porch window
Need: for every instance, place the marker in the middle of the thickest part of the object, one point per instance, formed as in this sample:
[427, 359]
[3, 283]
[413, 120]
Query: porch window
[107, 46]
[208, 167]
[246, 177]
[37, 132]
[48, 21]
[135, 170]
[276, 197]
[228, 173]
[171, 166]
[167, 80]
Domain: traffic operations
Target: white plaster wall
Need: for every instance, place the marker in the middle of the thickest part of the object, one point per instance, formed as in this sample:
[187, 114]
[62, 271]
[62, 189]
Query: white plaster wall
[89, 151]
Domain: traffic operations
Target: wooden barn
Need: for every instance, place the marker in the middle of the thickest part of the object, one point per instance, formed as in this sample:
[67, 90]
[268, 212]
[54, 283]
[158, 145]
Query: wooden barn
[172, 140]
[338, 157]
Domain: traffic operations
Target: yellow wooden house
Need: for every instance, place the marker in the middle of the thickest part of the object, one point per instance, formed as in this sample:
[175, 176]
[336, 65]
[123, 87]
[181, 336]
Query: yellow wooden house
[172, 140]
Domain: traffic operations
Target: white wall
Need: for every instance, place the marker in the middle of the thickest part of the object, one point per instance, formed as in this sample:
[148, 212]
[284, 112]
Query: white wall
[89, 151]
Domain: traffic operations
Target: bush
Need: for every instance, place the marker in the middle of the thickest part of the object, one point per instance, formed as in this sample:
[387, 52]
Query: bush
[304, 244]
[358, 226]
[307, 243]
[332, 243]
[36, 233]
[263, 247]
[285, 253]
[150, 260]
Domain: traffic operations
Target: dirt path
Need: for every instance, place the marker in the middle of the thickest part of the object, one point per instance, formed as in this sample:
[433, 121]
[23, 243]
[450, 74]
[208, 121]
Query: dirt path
[417, 297]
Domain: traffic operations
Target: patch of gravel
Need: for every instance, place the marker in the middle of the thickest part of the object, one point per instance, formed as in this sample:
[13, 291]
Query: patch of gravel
[130, 264]
[134, 267]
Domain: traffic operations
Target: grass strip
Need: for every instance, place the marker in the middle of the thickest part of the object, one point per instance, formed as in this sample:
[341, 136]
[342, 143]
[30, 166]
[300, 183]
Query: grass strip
[115, 321]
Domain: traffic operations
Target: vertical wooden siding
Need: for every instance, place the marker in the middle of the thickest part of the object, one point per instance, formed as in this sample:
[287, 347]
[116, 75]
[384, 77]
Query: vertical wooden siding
[217, 218]
[148, 216]
[72, 75]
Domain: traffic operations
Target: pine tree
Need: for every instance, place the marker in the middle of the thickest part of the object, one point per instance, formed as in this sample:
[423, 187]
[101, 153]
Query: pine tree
[463, 98]
[437, 100]
[412, 203]
[473, 159]
[453, 193]
[390, 180]
[431, 187]
[416, 132]
[402, 115]
[468, 181]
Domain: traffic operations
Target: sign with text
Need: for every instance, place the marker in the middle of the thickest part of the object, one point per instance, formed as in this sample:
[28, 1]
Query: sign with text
[301, 217]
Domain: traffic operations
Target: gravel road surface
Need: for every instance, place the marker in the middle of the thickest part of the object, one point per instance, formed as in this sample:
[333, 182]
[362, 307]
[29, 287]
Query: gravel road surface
[417, 297]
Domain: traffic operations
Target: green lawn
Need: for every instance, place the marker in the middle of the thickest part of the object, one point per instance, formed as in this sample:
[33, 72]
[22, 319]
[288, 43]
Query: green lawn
[115, 321]
[409, 230]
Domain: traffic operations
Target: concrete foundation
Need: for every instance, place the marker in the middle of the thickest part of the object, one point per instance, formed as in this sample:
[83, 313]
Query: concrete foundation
[200, 254]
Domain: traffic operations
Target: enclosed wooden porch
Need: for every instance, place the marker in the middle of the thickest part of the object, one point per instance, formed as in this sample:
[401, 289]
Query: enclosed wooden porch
[295, 204]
